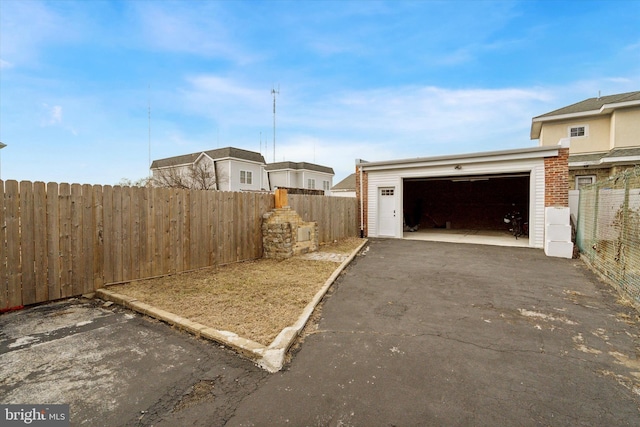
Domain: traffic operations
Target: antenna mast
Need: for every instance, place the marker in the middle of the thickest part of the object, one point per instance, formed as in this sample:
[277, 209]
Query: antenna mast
[149, 99]
[274, 92]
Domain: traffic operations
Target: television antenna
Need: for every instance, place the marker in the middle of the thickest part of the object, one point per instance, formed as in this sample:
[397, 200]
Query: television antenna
[149, 124]
[274, 92]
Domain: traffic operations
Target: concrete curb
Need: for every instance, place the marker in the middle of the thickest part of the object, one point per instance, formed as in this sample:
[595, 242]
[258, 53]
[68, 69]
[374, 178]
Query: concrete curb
[270, 358]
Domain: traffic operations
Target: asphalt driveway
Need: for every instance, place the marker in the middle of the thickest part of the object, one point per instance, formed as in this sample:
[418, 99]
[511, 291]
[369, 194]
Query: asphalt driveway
[414, 333]
[425, 333]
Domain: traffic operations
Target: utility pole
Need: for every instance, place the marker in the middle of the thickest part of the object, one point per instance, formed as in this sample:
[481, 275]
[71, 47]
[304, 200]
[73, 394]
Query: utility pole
[274, 92]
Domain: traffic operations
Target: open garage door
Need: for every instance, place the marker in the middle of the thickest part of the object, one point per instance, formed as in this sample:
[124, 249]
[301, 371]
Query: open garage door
[477, 202]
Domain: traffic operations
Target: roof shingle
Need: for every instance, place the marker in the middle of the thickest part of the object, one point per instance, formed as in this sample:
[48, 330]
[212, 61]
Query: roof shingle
[594, 104]
[219, 153]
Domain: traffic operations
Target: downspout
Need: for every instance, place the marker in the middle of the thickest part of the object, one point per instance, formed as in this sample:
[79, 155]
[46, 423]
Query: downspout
[215, 175]
[266, 172]
[361, 206]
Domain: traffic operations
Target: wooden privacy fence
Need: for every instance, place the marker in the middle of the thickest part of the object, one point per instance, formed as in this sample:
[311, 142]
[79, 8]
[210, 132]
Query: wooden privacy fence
[337, 217]
[64, 240]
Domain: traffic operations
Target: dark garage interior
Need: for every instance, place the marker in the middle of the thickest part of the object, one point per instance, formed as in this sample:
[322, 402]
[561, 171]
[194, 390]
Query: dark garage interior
[474, 202]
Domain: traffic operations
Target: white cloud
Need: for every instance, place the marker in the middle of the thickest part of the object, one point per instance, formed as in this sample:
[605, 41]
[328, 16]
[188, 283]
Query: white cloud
[56, 115]
[179, 27]
[5, 64]
[22, 43]
[53, 115]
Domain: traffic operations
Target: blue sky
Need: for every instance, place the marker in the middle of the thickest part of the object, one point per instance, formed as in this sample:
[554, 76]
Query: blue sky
[357, 79]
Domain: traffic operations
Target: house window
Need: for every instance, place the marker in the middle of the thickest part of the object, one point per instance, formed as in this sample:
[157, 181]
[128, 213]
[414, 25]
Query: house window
[311, 183]
[386, 192]
[246, 177]
[325, 185]
[578, 131]
[584, 180]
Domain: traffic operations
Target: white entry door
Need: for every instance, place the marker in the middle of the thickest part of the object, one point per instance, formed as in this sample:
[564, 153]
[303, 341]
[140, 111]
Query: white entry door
[387, 211]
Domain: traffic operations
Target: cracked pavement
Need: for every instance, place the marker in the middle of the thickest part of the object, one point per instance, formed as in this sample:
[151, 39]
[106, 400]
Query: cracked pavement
[413, 333]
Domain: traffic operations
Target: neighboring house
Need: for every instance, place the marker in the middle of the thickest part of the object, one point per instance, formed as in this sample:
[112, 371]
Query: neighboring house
[300, 175]
[346, 187]
[226, 169]
[604, 135]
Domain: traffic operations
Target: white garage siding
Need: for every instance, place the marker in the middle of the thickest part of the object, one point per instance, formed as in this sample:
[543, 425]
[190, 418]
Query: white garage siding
[391, 174]
[376, 181]
[536, 206]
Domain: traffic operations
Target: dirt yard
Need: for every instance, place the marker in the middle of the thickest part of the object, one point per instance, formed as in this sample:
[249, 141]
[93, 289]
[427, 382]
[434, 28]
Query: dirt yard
[254, 299]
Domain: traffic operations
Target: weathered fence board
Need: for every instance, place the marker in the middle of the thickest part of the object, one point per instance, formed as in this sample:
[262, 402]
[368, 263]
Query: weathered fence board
[62, 240]
[27, 241]
[12, 223]
[4, 302]
[40, 241]
[53, 241]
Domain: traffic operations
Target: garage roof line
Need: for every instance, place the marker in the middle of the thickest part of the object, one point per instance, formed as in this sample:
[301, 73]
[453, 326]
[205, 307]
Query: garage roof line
[486, 156]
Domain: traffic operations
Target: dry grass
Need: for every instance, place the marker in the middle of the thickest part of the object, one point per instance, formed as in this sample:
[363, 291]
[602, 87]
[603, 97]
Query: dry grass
[254, 299]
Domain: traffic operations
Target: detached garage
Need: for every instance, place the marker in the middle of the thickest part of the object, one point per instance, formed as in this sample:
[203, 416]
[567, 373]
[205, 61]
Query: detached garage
[470, 191]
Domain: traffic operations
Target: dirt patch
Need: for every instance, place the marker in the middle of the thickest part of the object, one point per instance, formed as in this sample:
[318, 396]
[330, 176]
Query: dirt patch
[254, 299]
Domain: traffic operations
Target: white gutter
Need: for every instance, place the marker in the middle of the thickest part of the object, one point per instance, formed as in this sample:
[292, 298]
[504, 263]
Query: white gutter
[607, 160]
[482, 157]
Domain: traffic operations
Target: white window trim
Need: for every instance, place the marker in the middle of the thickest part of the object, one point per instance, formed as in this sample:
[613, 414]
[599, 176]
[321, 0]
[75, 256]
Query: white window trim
[311, 184]
[586, 131]
[246, 177]
[593, 180]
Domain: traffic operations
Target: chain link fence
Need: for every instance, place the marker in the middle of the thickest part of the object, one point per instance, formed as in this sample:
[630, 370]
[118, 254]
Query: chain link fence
[608, 231]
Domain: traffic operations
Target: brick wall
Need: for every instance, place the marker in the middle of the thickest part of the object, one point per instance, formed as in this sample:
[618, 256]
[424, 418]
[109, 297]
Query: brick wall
[363, 200]
[556, 174]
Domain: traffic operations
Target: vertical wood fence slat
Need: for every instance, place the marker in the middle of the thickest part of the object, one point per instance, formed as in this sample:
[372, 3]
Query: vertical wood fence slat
[145, 243]
[12, 221]
[40, 241]
[4, 299]
[184, 261]
[241, 243]
[199, 218]
[64, 199]
[136, 247]
[212, 206]
[108, 235]
[53, 241]
[222, 256]
[151, 231]
[27, 233]
[173, 230]
[127, 218]
[255, 219]
[77, 270]
[227, 229]
[97, 251]
[158, 249]
[118, 239]
[165, 226]
[88, 234]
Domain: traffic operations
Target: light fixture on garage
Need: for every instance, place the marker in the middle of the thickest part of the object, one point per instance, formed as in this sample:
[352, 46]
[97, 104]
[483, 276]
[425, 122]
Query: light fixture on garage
[458, 167]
